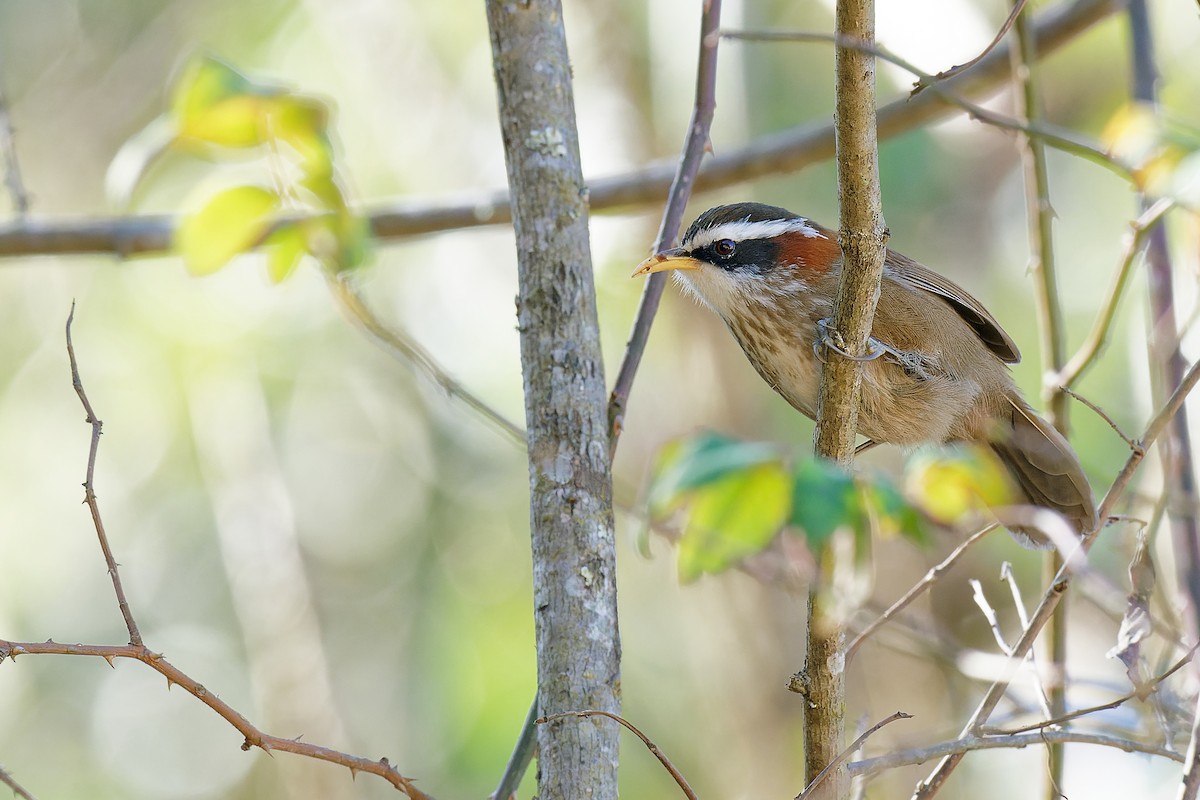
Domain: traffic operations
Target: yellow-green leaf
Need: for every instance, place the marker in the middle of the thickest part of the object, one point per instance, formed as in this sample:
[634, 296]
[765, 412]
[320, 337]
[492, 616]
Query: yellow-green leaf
[230, 222]
[953, 482]
[732, 518]
[695, 461]
[285, 247]
[302, 122]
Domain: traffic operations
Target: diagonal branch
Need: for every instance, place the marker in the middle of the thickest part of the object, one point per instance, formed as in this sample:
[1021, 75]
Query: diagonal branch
[254, 736]
[695, 145]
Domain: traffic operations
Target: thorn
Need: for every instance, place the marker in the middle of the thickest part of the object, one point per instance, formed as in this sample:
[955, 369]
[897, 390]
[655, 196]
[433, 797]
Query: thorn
[170, 683]
[353, 773]
[111, 662]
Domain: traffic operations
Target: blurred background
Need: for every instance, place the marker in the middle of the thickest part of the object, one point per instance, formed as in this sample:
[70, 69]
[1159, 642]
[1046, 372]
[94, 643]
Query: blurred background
[322, 538]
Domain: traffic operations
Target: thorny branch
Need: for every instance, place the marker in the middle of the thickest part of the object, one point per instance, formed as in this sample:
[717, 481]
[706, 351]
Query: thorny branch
[89, 493]
[254, 737]
[138, 651]
[17, 789]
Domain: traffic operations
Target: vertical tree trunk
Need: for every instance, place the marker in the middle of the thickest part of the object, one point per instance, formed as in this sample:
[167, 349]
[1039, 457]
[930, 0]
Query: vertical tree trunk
[574, 570]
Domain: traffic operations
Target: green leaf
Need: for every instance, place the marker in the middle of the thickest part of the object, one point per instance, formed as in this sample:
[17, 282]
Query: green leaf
[824, 498]
[231, 222]
[895, 515]
[285, 247]
[696, 461]
[731, 518]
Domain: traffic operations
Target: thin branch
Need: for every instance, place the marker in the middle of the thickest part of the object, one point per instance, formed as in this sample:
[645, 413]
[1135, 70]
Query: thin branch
[931, 577]
[845, 754]
[1102, 414]
[651, 746]
[932, 784]
[1141, 693]
[695, 145]
[11, 783]
[1056, 137]
[1053, 348]
[254, 737]
[776, 154]
[963, 745]
[1098, 337]
[397, 342]
[89, 494]
[960, 68]
[989, 614]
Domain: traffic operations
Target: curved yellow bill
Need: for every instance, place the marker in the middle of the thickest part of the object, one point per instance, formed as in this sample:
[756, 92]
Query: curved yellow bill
[667, 259]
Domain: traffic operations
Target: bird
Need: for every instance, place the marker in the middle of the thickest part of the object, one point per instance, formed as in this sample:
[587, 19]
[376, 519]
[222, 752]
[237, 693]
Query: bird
[936, 369]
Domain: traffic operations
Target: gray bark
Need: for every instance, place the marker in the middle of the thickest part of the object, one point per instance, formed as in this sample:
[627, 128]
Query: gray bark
[574, 570]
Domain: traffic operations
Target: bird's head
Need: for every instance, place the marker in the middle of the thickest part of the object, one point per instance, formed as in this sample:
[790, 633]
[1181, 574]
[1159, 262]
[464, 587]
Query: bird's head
[744, 253]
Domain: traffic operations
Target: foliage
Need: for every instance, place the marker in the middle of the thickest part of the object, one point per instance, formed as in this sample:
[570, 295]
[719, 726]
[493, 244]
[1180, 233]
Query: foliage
[219, 114]
[732, 498]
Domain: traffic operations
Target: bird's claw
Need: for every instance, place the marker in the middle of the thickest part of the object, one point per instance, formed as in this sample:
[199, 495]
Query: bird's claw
[826, 336]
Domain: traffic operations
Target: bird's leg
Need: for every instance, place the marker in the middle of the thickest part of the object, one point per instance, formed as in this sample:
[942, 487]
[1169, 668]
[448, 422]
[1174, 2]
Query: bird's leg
[864, 447]
[912, 362]
[826, 336]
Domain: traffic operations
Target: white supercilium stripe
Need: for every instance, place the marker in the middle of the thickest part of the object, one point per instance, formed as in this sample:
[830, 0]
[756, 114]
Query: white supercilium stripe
[743, 230]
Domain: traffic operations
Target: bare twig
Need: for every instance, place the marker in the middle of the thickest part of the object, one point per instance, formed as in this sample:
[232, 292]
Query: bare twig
[1137, 694]
[403, 347]
[651, 746]
[989, 614]
[960, 68]
[932, 784]
[918, 589]
[1006, 573]
[776, 154]
[695, 145]
[254, 737]
[1102, 414]
[11, 783]
[89, 493]
[965, 744]
[845, 754]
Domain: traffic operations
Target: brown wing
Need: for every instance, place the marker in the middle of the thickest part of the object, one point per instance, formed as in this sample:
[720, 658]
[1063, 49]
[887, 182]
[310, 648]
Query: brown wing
[971, 310]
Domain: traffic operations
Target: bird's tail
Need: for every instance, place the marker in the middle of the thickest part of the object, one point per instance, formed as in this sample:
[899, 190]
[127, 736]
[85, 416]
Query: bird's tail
[1046, 471]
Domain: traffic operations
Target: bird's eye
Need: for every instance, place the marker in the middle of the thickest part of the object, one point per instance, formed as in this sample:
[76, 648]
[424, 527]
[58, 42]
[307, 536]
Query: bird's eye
[724, 247]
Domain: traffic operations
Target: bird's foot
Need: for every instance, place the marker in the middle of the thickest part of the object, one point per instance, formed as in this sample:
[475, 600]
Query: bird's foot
[828, 338]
